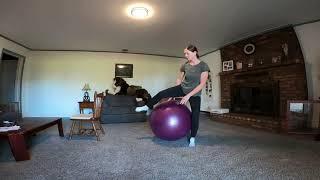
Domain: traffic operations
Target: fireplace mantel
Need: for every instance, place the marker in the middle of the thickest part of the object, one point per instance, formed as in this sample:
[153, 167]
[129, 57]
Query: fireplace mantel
[257, 69]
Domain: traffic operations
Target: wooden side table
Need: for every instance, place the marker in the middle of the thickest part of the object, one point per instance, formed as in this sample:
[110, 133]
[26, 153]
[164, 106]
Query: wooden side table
[85, 105]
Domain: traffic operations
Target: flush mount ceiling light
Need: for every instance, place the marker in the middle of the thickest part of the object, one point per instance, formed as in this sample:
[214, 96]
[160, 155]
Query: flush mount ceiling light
[139, 11]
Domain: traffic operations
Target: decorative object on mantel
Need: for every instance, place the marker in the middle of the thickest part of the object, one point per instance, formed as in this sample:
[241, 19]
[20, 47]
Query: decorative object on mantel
[86, 88]
[285, 49]
[227, 65]
[260, 61]
[209, 85]
[250, 63]
[249, 49]
[239, 65]
[276, 59]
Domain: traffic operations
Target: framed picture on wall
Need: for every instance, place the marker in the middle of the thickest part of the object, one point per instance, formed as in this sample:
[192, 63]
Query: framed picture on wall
[227, 65]
[124, 70]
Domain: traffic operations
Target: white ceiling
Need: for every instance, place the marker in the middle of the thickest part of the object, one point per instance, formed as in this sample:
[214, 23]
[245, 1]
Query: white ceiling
[102, 25]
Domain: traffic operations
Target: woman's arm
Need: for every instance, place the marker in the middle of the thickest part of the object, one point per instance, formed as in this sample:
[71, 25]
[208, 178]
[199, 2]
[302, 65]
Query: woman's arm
[203, 80]
[180, 78]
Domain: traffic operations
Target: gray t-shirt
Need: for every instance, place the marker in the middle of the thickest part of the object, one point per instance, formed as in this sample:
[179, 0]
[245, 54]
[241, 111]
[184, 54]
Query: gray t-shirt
[192, 76]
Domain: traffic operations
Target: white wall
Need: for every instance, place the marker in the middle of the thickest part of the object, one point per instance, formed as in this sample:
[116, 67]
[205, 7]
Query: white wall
[214, 62]
[309, 37]
[53, 81]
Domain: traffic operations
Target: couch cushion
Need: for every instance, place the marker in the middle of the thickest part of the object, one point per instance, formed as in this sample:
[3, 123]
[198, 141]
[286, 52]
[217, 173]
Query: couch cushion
[118, 109]
[120, 100]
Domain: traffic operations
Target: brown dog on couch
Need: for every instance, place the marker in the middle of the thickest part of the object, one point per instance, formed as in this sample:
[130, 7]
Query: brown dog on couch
[121, 87]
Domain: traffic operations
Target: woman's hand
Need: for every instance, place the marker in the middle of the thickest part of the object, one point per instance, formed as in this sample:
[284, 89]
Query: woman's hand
[185, 99]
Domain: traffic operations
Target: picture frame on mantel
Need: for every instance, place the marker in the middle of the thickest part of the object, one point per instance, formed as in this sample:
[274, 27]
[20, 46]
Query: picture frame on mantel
[227, 65]
[239, 65]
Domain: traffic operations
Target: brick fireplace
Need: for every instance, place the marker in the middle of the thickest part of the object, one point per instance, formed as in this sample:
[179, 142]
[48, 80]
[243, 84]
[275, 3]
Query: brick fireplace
[256, 93]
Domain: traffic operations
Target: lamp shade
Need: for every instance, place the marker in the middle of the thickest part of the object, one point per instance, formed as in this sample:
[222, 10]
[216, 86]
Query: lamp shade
[86, 87]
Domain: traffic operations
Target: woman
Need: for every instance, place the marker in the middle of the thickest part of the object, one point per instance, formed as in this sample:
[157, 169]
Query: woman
[192, 78]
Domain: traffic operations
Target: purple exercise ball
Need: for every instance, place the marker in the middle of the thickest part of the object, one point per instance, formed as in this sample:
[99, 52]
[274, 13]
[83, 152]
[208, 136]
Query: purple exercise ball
[170, 120]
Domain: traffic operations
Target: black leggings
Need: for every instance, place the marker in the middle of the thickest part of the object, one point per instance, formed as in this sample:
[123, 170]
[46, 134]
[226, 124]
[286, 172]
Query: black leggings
[176, 91]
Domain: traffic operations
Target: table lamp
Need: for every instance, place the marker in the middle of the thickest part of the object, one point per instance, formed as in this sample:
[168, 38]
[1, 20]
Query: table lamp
[86, 88]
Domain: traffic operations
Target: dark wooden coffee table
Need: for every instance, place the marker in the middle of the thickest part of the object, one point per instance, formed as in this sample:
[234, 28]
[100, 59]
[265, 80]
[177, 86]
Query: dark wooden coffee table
[29, 126]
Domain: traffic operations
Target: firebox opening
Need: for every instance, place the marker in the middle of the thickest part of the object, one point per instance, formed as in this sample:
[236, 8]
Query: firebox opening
[259, 99]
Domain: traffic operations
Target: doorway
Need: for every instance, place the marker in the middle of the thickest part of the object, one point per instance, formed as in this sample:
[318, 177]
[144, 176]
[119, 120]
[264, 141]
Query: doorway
[11, 71]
